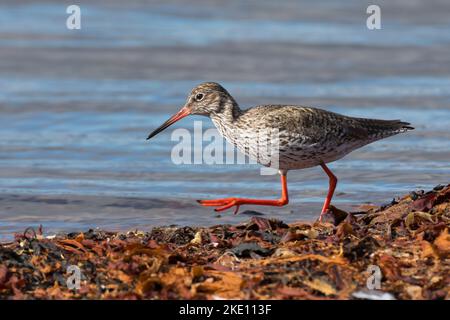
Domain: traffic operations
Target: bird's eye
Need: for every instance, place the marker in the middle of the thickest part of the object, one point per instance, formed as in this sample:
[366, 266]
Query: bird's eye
[199, 96]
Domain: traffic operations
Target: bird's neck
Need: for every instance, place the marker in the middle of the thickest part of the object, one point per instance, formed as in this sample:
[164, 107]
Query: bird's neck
[227, 116]
[228, 112]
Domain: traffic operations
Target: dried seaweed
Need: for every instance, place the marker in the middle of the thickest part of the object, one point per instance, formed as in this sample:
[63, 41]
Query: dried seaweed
[408, 240]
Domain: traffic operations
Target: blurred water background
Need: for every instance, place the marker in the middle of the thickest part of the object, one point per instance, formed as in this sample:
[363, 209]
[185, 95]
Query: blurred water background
[77, 105]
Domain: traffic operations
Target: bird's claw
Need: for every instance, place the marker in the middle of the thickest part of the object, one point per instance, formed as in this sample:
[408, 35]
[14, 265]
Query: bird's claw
[222, 204]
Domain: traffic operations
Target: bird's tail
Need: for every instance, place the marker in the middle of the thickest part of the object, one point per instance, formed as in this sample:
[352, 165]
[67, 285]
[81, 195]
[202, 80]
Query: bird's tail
[385, 128]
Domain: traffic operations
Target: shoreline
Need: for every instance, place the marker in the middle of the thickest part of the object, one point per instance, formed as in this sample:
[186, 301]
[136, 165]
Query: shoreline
[396, 251]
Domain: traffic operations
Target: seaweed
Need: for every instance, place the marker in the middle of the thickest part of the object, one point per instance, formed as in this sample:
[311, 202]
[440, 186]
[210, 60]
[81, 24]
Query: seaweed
[405, 243]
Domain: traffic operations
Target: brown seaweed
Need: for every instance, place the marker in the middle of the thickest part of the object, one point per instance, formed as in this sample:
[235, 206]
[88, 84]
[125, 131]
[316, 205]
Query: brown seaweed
[407, 240]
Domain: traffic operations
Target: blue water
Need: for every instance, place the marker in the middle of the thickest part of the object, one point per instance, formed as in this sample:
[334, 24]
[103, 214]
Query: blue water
[76, 106]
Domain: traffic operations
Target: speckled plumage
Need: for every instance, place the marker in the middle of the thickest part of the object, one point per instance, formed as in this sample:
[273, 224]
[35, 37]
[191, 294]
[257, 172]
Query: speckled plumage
[307, 136]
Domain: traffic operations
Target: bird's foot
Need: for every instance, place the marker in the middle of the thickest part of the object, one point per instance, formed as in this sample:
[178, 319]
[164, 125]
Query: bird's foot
[222, 204]
[226, 203]
[323, 214]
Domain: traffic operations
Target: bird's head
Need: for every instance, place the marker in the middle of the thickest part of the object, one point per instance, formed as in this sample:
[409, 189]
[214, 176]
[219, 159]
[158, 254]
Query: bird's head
[205, 99]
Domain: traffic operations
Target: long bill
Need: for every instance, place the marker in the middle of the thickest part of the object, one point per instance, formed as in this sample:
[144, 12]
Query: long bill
[184, 112]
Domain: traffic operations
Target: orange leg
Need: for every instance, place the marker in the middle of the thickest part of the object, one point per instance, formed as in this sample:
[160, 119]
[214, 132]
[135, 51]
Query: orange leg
[227, 203]
[332, 187]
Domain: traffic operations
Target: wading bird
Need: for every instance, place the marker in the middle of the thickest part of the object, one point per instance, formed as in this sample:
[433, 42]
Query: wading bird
[305, 137]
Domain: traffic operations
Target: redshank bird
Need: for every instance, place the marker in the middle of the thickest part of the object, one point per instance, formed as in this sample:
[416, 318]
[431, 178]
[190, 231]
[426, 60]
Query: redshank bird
[305, 136]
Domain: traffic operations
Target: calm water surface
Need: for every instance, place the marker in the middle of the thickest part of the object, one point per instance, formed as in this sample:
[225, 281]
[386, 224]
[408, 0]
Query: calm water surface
[76, 106]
